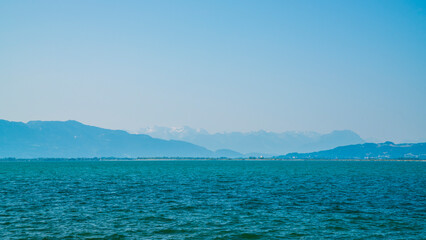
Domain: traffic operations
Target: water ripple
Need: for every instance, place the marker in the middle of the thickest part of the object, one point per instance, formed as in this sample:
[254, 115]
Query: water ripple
[213, 200]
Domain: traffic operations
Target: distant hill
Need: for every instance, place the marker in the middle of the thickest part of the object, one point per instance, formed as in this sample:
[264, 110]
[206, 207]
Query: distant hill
[73, 139]
[387, 150]
[260, 142]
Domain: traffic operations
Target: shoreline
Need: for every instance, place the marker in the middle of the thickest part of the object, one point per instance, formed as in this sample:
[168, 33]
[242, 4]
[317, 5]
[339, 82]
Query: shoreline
[198, 159]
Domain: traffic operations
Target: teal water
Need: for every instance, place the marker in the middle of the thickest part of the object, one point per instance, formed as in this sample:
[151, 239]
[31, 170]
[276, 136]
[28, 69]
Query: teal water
[213, 200]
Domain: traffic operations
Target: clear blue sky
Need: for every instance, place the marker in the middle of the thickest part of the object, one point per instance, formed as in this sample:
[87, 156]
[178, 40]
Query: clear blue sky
[218, 65]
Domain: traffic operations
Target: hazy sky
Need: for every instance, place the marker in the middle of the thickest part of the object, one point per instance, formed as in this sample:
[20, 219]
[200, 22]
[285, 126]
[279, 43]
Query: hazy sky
[218, 65]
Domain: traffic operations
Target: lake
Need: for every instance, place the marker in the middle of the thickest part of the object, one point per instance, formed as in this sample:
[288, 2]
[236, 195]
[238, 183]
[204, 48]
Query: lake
[213, 200]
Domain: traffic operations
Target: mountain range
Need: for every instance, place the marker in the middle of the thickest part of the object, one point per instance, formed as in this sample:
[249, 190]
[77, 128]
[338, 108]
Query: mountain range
[386, 150]
[73, 139]
[259, 142]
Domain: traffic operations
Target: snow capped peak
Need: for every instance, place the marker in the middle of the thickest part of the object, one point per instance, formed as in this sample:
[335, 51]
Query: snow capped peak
[177, 129]
[171, 132]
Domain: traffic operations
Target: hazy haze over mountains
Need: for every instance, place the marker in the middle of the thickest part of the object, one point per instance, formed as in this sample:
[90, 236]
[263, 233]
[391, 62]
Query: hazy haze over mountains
[258, 141]
[219, 65]
[73, 139]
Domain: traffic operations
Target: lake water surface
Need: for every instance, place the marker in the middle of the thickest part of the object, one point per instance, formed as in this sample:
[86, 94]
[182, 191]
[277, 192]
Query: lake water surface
[213, 200]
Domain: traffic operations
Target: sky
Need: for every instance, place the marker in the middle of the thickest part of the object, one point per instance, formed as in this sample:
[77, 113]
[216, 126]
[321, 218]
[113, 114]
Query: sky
[218, 65]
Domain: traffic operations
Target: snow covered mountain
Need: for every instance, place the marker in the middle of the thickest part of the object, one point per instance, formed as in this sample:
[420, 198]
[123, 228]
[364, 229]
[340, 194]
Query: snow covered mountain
[258, 141]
